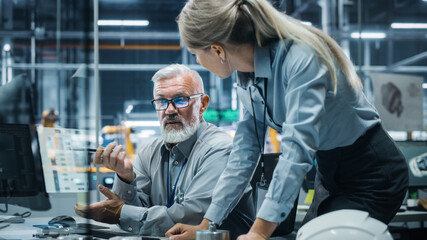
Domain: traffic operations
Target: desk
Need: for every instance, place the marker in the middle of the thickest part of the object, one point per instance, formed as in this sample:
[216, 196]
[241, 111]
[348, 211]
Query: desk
[406, 216]
[410, 216]
[26, 230]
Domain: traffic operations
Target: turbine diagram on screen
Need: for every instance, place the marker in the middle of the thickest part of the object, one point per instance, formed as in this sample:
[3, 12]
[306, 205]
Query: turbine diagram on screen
[418, 165]
[392, 98]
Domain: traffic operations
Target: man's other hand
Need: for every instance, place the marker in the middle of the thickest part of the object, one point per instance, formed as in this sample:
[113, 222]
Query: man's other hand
[107, 211]
[114, 158]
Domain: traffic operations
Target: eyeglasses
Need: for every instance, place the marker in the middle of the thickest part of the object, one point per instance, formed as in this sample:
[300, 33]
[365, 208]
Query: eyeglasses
[179, 102]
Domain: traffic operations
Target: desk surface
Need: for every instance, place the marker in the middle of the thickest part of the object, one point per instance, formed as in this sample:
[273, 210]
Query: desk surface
[406, 216]
[26, 230]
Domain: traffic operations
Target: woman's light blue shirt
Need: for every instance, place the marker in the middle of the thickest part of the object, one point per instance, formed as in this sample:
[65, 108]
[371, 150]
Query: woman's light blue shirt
[302, 106]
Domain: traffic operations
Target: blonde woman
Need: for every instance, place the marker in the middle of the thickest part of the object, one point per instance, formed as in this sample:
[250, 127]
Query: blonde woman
[297, 80]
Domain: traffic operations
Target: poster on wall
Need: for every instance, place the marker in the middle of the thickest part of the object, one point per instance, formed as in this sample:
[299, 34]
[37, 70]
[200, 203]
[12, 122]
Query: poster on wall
[399, 101]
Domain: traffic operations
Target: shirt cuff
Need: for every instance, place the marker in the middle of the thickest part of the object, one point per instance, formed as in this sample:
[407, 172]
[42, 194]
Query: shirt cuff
[216, 213]
[132, 217]
[127, 192]
[273, 211]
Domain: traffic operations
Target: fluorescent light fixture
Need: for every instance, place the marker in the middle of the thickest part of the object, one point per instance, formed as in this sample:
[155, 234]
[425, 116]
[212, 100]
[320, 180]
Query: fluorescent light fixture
[369, 35]
[146, 133]
[142, 123]
[409, 25]
[140, 23]
[129, 108]
[425, 84]
[6, 47]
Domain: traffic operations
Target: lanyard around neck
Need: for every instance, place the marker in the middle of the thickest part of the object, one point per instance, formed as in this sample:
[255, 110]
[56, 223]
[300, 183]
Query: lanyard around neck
[260, 145]
[172, 195]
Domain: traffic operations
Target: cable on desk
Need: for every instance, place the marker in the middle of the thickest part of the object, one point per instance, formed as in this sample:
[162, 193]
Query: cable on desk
[23, 215]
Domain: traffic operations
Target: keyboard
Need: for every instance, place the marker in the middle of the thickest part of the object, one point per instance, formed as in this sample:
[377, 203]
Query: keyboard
[107, 234]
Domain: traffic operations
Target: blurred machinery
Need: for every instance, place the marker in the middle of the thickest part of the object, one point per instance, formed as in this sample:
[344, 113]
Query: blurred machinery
[118, 134]
[49, 118]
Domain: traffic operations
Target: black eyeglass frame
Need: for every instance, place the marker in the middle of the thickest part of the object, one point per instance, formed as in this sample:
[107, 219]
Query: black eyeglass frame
[173, 101]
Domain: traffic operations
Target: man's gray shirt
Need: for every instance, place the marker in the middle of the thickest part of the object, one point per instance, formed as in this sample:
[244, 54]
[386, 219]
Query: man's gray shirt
[145, 211]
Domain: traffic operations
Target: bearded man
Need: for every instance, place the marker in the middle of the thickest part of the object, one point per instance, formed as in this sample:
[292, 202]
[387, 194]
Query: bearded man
[172, 178]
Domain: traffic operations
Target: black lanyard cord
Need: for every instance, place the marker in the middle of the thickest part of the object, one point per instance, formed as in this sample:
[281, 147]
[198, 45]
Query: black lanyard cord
[261, 147]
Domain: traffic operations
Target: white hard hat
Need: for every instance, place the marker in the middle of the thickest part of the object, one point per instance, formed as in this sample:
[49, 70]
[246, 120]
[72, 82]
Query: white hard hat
[345, 224]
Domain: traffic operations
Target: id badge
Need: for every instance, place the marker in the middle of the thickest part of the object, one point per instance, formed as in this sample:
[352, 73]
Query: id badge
[261, 191]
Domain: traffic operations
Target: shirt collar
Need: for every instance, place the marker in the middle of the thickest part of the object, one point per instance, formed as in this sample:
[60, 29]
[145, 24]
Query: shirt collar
[186, 146]
[262, 61]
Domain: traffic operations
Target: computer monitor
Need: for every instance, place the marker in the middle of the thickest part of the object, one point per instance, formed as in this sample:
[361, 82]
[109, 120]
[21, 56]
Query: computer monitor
[20, 166]
[415, 153]
[16, 107]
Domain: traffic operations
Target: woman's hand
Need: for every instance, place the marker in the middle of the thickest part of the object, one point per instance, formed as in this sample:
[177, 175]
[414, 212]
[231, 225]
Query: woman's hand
[260, 230]
[183, 231]
[251, 236]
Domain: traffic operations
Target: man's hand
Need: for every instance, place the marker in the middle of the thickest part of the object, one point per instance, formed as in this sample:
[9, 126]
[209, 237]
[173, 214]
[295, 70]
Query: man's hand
[107, 211]
[183, 231]
[114, 158]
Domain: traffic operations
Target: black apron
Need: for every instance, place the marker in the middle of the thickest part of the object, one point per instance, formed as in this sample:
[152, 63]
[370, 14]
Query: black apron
[370, 175]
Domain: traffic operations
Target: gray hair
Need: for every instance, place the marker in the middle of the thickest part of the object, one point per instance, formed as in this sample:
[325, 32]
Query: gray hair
[174, 70]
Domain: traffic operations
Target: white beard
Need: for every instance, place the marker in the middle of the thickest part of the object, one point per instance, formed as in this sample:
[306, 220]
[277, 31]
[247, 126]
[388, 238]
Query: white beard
[173, 135]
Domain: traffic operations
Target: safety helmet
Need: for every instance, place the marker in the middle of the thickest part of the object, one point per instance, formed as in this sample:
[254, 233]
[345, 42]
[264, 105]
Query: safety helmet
[345, 224]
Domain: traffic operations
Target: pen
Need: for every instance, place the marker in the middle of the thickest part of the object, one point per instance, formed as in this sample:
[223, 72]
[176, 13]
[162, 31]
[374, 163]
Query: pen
[86, 149]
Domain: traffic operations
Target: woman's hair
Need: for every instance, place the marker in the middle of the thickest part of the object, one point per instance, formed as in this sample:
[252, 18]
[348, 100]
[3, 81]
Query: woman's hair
[174, 70]
[204, 22]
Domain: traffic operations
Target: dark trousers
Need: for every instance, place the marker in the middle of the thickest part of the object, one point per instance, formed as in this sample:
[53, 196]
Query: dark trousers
[370, 175]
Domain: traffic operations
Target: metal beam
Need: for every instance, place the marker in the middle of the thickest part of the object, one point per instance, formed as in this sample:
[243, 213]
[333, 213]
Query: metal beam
[155, 67]
[302, 8]
[102, 67]
[410, 60]
[391, 34]
[102, 35]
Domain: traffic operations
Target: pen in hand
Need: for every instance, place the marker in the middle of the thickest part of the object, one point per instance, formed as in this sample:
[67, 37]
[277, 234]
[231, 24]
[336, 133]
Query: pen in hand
[86, 149]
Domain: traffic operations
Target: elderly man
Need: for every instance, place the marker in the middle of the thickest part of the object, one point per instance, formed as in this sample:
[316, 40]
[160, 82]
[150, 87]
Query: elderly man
[172, 178]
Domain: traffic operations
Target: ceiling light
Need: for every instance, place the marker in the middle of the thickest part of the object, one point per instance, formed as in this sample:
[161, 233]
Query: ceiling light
[142, 23]
[307, 23]
[409, 25]
[6, 47]
[370, 35]
[129, 108]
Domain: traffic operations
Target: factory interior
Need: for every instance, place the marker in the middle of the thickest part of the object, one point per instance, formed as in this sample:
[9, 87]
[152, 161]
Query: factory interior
[77, 74]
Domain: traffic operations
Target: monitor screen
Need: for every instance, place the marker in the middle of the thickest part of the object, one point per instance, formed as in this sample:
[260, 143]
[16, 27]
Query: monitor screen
[20, 165]
[415, 153]
[65, 159]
